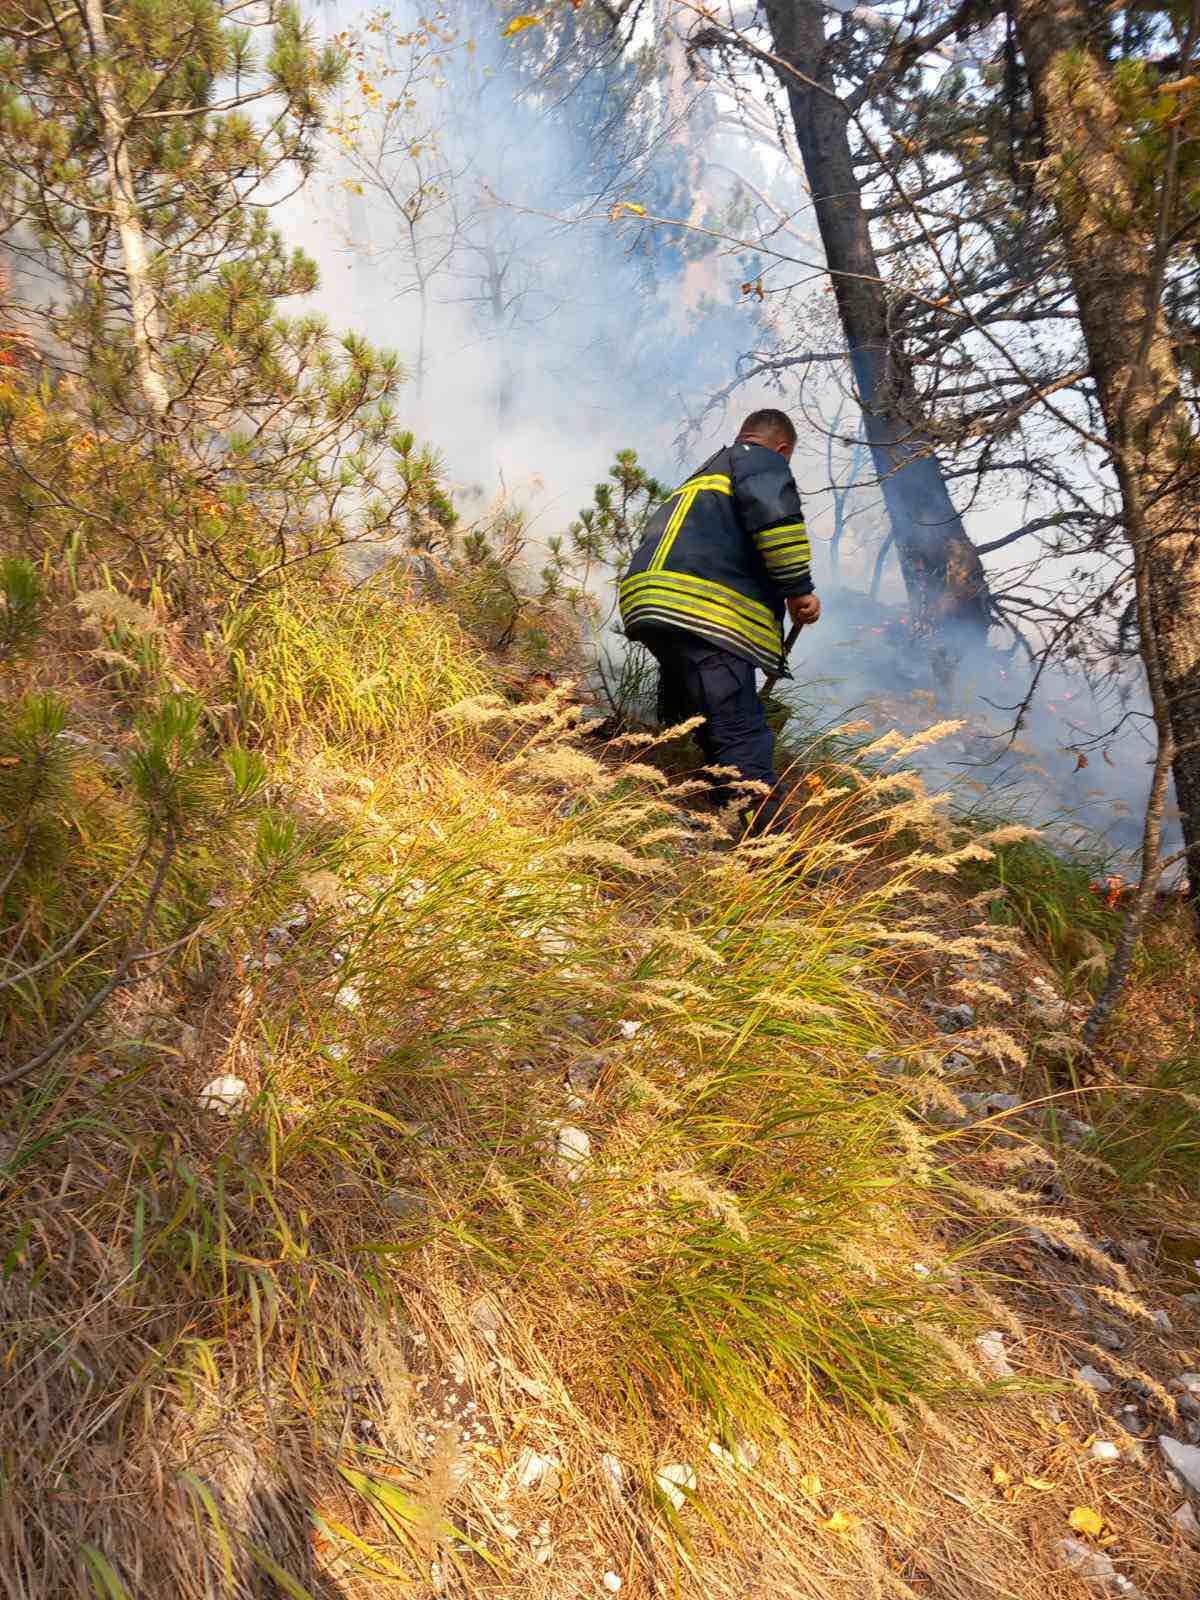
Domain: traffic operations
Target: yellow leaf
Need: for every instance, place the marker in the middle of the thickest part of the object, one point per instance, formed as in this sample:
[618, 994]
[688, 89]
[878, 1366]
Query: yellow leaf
[1084, 1520]
[518, 25]
[1043, 1484]
[633, 208]
[810, 1485]
[839, 1522]
[1000, 1477]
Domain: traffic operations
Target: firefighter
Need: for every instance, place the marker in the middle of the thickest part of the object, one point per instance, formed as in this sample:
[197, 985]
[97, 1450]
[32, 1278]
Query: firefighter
[721, 561]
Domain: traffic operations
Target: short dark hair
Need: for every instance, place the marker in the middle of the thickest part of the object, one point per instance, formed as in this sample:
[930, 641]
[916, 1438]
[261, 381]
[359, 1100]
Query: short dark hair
[769, 420]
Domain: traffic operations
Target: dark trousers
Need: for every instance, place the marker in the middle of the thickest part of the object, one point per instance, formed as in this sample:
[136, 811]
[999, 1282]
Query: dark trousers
[697, 679]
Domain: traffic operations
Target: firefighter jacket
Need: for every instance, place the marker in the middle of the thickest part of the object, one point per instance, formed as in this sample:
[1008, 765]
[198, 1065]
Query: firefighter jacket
[721, 555]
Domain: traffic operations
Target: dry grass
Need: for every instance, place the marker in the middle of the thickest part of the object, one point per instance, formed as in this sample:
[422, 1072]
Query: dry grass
[306, 1349]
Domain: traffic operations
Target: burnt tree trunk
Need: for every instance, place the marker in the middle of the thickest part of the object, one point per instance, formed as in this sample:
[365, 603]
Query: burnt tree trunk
[1116, 273]
[942, 571]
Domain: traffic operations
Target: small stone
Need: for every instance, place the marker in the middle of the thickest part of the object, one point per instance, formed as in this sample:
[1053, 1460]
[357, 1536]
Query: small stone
[955, 1063]
[674, 1481]
[1186, 1522]
[485, 1319]
[406, 1203]
[611, 1581]
[1094, 1379]
[920, 1270]
[1095, 1568]
[629, 1030]
[1107, 1338]
[1130, 1419]
[1185, 1458]
[613, 1474]
[1105, 1450]
[1189, 1381]
[572, 1147]
[1076, 1301]
[952, 1019]
[533, 1469]
[336, 1052]
[993, 1354]
[1163, 1322]
[223, 1095]
[348, 997]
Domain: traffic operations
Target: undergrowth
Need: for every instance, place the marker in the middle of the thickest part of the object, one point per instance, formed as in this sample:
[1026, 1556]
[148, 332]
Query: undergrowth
[438, 941]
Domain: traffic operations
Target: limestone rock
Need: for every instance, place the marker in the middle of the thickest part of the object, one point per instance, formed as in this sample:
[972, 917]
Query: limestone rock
[1105, 1450]
[611, 1581]
[993, 1354]
[573, 1149]
[534, 1469]
[1186, 1522]
[224, 1095]
[1185, 1458]
[1094, 1379]
[1095, 1568]
[676, 1482]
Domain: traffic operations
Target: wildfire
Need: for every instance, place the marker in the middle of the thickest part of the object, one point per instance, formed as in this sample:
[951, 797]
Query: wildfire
[1110, 889]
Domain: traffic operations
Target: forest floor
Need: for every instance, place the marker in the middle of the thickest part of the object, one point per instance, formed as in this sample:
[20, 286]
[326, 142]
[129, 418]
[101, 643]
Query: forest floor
[535, 1192]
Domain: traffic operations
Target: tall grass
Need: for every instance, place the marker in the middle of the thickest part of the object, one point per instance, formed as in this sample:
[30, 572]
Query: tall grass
[493, 934]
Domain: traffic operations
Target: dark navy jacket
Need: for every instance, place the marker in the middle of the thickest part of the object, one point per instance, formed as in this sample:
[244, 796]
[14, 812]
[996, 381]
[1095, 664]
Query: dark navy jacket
[721, 555]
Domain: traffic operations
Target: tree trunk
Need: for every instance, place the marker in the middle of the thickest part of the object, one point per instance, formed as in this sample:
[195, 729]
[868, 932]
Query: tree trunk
[943, 574]
[143, 305]
[1116, 276]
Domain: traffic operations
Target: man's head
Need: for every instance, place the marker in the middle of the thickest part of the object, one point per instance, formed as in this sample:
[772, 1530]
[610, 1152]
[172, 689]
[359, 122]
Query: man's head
[774, 429]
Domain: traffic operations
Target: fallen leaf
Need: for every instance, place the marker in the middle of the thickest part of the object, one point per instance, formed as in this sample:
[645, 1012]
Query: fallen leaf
[1043, 1484]
[1081, 761]
[518, 25]
[840, 1522]
[810, 1485]
[1000, 1477]
[1084, 1520]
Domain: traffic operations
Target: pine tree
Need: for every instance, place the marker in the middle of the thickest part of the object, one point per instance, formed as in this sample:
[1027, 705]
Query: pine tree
[140, 148]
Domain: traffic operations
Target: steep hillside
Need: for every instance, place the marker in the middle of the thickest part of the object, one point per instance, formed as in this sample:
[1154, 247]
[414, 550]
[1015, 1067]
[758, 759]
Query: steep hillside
[437, 1159]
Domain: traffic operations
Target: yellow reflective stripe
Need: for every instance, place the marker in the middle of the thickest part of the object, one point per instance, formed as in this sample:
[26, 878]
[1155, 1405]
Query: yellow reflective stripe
[782, 527]
[718, 482]
[710, 480]
[755, 613]
[716, 607]
[686, 496]
[688, 608]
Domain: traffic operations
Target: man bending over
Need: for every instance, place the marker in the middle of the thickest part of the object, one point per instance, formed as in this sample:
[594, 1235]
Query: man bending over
[721, 561]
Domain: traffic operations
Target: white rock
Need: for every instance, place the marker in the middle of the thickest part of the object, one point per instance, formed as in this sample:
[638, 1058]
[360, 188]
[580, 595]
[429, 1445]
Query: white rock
[993, 1354]
[1095, 1568]
[573, 1149]
[743, 1456]
[1186, 1522]
[484, 1317]
[533, 1468]
[920, 1270]
[1189, 1381]
[1163, 1322]
[629, 1030]
[1105, 1450]
[611, 1581]
[1185, 1458]
[348, 997]
[337, 1052]
[674, 1481]
[613, 1474]
[1094, 1379]
[223, 1095]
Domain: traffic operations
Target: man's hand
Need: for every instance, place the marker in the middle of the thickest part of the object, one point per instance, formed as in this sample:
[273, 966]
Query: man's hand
[803, 608]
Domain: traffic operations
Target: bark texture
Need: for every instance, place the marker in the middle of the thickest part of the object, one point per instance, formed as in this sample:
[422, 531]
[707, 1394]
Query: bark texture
[143, 305]
[942, 570]
[1115, 272]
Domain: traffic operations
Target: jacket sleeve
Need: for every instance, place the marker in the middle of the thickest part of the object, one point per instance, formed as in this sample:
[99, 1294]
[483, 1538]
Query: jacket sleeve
[768, 505]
